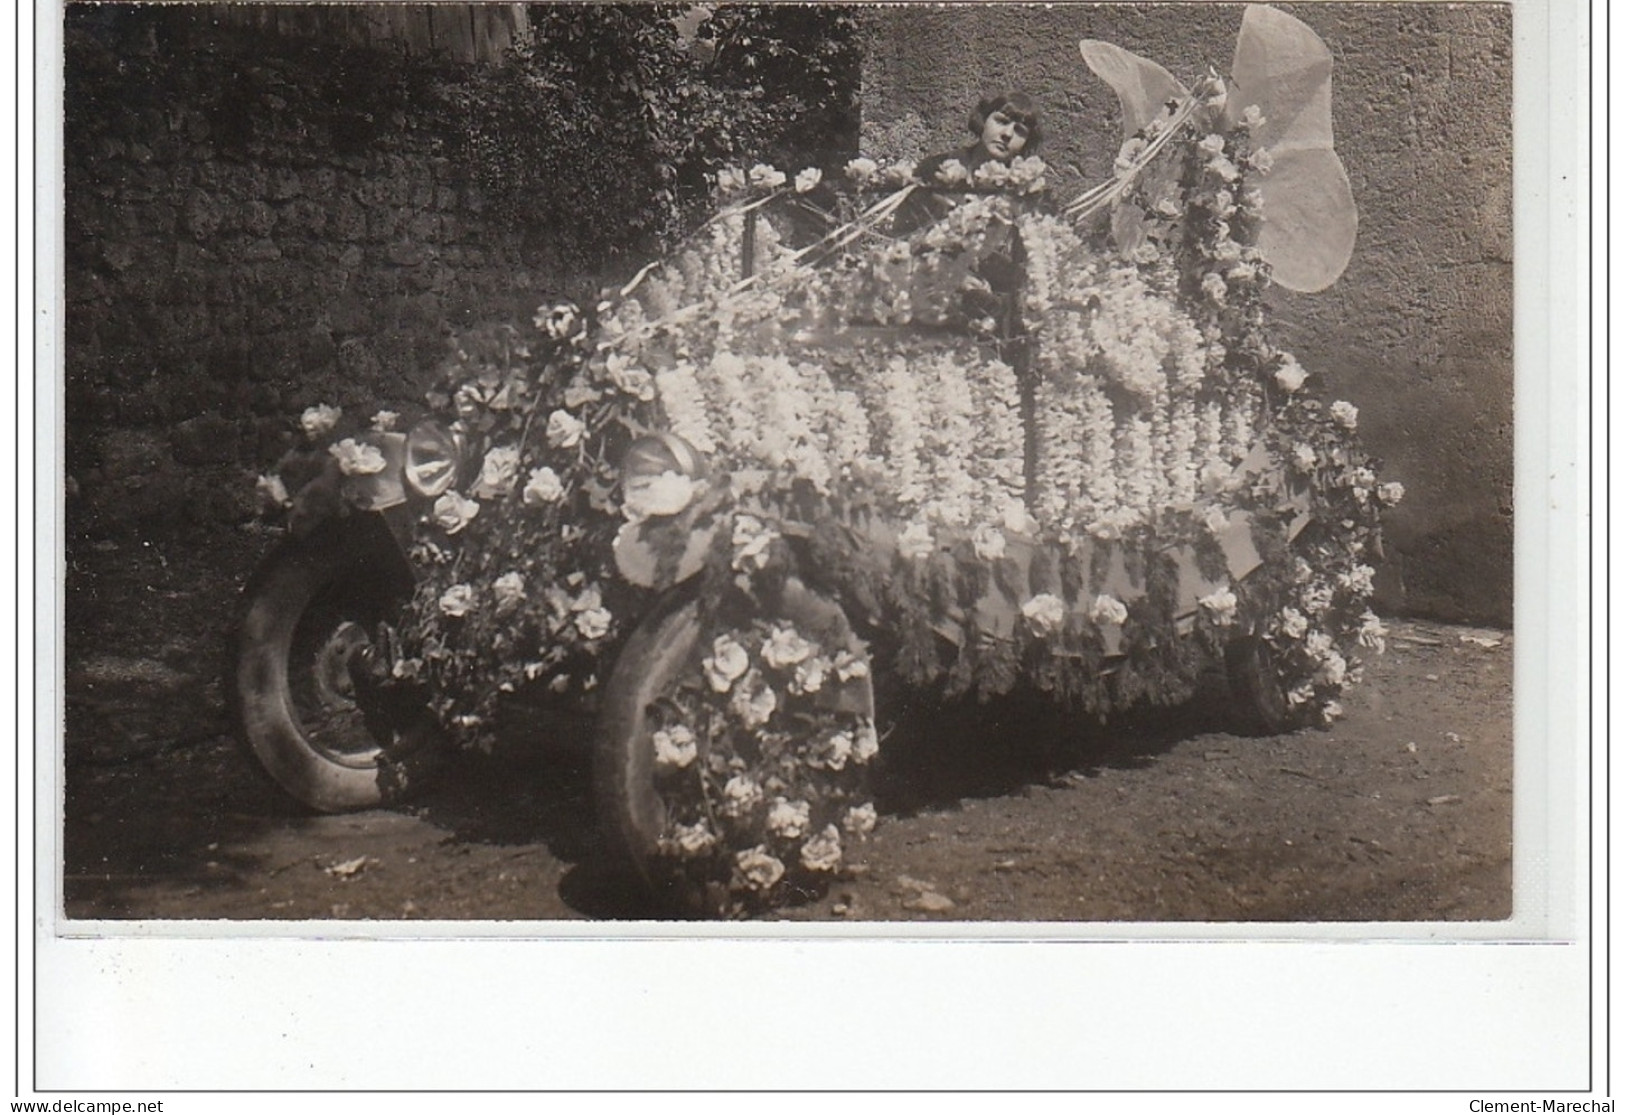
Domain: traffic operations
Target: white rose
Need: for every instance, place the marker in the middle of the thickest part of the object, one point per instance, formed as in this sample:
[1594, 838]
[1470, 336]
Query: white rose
[809, 677]
[953, 173]
[1293, 623]
[789, 819]
[452, 512]
[860, 819]
[753, 702]
[866, 744]
[272, 492]
[1108, 609]
[319, 419]
[1044, 613]
[757, 869]
[594, 623]
[543, 486]
[692, 841]
[457, 600]
[385, 420]
[836, 750]
[1391, 492]
[862, 170]
[785, 647]
[988, 542]
[1303, 457]
[1221, 605]
[498, 472]
[509, 590]
[357, 458]
[765, 177]
[822, 852]
[675, 746]
[849, 666]
[1345, 414]
[740, 795]
[730, 180]
[564, 430]
[751, 539]
[808, 179]
[1290, 375]
[727, 663]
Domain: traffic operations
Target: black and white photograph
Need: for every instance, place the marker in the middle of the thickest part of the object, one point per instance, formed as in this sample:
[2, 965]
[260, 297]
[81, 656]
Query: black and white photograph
[966, 470]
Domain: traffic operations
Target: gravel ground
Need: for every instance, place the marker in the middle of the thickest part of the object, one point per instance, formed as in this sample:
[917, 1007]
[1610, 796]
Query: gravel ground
[1402, 811]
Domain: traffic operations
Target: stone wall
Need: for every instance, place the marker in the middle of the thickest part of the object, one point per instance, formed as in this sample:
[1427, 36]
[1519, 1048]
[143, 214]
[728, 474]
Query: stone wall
[250, 226]
[1417, 333]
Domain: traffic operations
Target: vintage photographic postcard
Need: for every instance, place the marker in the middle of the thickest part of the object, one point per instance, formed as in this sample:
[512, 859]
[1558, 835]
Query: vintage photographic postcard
[671, 481]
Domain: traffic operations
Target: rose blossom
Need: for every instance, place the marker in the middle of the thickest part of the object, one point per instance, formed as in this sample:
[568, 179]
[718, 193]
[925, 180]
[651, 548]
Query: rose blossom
[1391, 492]
[952, 173]
[564, 429]
[1293, 623]
[751, 539]
[765, 177]
[272, 492]
[1346, 414]
[1044, 613]
[866, 745]
[1108, 609]
[498, 472]
[809, 676]
[1222, 605]
[543, 486]
[1211, 144]
[758, 869]
[822, 852]
[1290, 375]
[849, 666]
[384, 421]
[452, 512]
[594, 623]
[739, 795]
[860, 819]
[319, 419]
[837, 749]
[693, 840]
[1213, 286]
[457, 600]
[988, 542]
[789, 819]
[753, 702]
[862, 170]
[727, 663]
[356, 459]
[509, 590]
[785, 647]
[675, 746]
[808, 179]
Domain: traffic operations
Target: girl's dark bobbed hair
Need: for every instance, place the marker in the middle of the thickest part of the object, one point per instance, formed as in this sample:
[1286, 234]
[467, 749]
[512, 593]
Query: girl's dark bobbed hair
[1016, 105]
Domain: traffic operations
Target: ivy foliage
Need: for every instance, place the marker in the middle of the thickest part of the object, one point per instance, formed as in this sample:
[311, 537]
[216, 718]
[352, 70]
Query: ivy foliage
[598, 133]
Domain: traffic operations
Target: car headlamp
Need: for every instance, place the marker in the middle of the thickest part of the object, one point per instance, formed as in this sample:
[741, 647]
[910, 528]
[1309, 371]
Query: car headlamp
[433, 458]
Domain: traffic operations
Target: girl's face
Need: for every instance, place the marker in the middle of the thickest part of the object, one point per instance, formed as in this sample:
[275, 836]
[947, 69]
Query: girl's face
[1003, 136]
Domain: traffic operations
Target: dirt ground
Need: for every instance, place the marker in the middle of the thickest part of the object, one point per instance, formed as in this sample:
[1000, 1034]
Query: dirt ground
[1402, 811]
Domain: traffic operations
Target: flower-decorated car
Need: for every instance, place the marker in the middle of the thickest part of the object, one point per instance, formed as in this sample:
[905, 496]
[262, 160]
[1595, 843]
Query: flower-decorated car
[782, 460]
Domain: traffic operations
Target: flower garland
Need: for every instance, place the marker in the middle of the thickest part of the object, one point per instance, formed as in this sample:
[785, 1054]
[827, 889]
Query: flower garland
[1172, 486]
